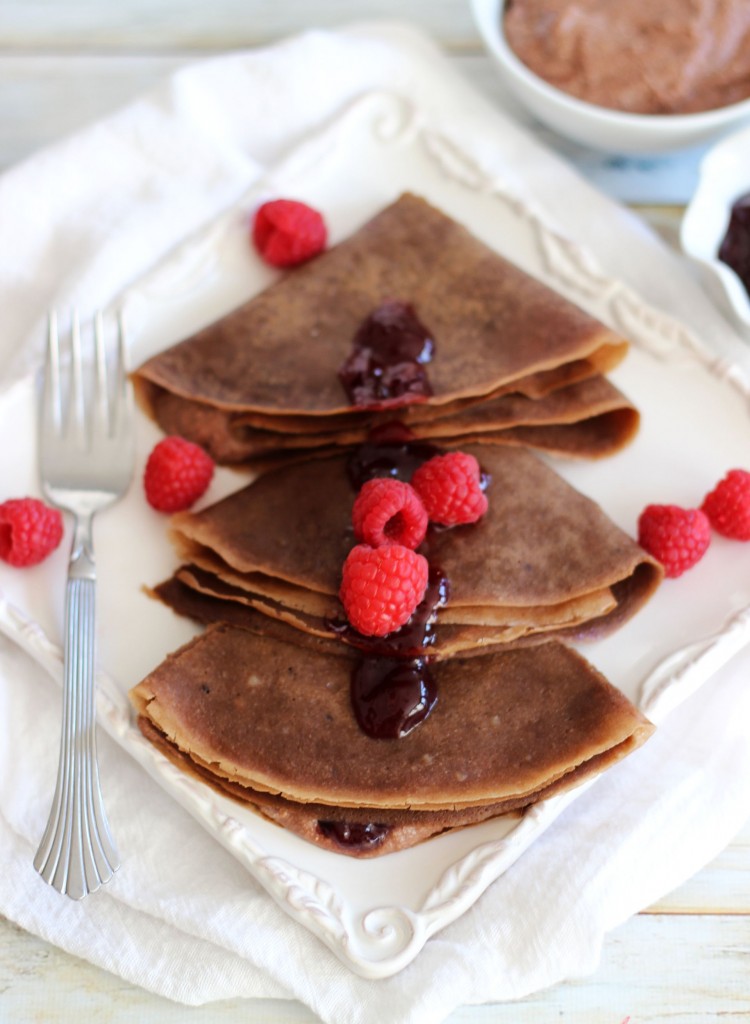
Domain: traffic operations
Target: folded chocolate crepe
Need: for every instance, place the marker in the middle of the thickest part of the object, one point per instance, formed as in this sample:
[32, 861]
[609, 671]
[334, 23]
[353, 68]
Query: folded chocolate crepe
[544, 561]
[265, 378]
[272, 725]
[588, 419]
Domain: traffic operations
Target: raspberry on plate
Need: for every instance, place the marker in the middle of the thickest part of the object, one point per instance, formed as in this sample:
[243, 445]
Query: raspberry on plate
[677, 537]
[177, 473]
[382, 587]
[728, 505]
[287, 232]
[389, 511]
[450, 488]
[29, 531]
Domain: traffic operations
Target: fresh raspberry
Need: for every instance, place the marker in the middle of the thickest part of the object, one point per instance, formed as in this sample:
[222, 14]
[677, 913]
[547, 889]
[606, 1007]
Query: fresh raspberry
[29, 531]
[177, 473]
[728, 505]
[450, 489]
[389, 511]
[287, 232]
[381, 587]
[677, 537]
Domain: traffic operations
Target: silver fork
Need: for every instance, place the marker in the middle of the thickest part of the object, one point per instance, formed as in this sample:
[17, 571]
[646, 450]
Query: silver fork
[86, 450]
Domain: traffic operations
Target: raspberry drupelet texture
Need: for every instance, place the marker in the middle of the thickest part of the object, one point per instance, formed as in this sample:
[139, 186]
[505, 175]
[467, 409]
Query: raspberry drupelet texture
[382, 587]
[287, 232]
[389, 511]
[29, 531]
[728, 505]
[177, 473]
[677, 537]
[450, 488]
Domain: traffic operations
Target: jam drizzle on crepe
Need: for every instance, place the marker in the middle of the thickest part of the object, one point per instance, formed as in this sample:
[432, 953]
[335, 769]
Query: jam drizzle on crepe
[347, 833]
[392, 690]
[386, 367]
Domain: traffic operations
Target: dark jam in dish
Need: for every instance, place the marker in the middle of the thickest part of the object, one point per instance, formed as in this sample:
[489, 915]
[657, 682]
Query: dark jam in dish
[735, 247]
[345, 833]
[386, 367]
[391, 696]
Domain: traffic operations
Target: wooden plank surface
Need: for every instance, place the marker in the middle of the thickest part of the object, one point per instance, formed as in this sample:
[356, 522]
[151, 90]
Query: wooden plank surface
[721, 888]
[654, 969]
[63, 64]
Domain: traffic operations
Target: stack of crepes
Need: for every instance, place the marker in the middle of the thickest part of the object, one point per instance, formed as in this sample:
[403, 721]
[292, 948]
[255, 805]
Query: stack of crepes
[267, 704]
[514, 361]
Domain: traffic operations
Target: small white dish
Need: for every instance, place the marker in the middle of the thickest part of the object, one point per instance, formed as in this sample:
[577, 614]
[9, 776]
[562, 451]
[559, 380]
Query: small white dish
[724, 177]
[598, 127]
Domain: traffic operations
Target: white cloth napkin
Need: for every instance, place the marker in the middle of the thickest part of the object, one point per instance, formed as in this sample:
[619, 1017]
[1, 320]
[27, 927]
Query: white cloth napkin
[182, 918]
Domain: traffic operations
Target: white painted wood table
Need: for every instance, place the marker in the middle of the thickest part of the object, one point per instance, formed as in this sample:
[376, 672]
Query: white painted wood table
[62, 64]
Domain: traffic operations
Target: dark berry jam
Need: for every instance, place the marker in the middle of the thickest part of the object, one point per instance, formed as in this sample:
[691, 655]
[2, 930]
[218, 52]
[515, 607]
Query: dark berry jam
[390, 450]
[415, 636]
[392, 689]
[391, 696]
[735, 247]
[386, 367]
[353, 834]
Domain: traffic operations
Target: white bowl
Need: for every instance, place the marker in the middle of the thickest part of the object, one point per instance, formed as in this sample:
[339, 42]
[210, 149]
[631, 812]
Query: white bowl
[598, 127]
[724, 177]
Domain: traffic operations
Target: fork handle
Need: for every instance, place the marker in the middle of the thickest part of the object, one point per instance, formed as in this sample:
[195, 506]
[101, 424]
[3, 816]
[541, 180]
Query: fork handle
[76, 854]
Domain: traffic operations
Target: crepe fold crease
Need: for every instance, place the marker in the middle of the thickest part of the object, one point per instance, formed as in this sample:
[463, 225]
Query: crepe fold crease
[270, 724]
[516, 363]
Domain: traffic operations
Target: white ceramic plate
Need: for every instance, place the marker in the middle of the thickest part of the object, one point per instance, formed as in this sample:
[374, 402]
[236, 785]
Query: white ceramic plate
[377, 914]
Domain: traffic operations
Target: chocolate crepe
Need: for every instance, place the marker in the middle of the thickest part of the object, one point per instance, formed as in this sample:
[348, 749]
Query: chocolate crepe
[545, 560]
[271, 724]
[266, 375]
[587, 419]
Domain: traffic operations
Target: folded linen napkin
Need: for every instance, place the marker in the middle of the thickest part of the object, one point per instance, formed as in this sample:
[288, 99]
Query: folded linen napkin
[182, 917]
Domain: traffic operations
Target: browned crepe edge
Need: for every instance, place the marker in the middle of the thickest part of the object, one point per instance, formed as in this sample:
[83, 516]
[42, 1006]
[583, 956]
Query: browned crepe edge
[305, 321]
[406, 828]
[616, 721]
[596, 435]
[451, 637]
[213, 576]
[318, 519]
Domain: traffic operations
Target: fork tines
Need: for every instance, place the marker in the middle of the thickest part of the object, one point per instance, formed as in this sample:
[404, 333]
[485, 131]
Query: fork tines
[107, 400]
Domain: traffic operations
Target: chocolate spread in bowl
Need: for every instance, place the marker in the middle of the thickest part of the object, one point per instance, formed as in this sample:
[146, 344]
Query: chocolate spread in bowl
[652, 57]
